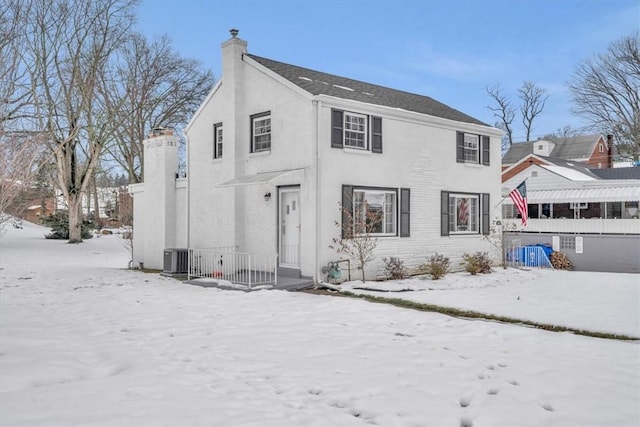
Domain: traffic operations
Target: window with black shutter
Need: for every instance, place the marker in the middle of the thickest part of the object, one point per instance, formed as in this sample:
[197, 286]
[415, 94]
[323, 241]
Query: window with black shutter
[464, 213]
[472, 148]
[356, 131]
[375, 210]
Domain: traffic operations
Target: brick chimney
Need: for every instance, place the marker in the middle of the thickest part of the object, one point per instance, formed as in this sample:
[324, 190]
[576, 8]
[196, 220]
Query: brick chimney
[609, 151]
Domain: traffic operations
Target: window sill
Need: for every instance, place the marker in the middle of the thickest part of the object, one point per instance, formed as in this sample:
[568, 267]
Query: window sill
[360, 151]
[474, 165]
[260, 153]
[217, 160]
[462, 234]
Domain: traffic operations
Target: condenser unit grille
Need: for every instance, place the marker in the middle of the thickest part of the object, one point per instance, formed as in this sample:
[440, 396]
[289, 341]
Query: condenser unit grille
[176, 261]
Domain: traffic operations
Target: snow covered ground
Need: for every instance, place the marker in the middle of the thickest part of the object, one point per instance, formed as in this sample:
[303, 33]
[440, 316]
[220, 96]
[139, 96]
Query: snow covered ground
[85, 342]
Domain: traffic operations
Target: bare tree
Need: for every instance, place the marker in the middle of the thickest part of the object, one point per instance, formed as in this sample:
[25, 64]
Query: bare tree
[563, 133]
[66, 48]
[149, 86]
[533, 101]
[606, 91]
[504, 112]
[15, 94]
[19, 160]
[356, 240]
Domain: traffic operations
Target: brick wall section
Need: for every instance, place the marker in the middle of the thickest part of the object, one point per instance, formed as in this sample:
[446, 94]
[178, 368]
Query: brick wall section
[600, 160]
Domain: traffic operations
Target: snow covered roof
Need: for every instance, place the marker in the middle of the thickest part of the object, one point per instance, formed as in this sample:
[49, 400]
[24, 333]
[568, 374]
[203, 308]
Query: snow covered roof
[568, 173]
[585, 195]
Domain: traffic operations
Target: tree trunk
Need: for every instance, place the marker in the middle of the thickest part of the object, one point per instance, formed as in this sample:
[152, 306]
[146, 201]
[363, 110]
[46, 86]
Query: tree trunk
[75, 219]
[96, 203]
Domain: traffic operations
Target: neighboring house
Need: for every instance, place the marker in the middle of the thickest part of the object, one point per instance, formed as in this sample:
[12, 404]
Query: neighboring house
[596, 151]
[591, 214]
[41, 209]
[275, 150]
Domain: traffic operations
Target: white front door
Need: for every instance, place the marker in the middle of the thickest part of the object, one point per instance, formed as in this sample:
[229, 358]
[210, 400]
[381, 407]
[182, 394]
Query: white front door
[289, 227]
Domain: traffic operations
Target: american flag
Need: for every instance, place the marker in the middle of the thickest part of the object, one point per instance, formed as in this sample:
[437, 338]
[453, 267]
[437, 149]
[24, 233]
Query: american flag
[519, 197]
[463, 211]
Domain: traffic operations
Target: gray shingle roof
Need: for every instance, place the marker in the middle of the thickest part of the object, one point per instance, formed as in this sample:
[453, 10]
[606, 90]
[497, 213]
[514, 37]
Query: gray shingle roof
[575, 147]
[618, 173]
[517, 152]
[318, 83]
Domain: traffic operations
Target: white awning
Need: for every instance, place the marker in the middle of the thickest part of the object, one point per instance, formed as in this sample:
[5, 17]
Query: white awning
[256, 178]
[585, 195]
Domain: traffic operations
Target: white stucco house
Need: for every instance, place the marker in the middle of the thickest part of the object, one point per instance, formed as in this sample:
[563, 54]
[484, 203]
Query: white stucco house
[275, 150]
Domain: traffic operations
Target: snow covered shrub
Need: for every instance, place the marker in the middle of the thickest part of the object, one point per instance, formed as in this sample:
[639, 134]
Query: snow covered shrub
[395, 269]
[478, 262]
[438, 266]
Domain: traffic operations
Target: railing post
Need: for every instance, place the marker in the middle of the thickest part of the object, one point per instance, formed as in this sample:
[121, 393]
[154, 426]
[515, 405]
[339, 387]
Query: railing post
[189, 264]
[249, 268]
[275, 270]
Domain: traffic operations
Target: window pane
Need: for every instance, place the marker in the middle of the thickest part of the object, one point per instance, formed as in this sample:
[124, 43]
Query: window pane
[389, 213]
[375, 212]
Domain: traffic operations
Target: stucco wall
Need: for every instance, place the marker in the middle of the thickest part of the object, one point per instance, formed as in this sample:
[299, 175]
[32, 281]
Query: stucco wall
[612, 253]
[415, 156]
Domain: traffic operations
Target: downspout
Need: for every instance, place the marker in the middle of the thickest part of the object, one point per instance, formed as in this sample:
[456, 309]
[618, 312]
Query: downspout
[317, 105]
[186, 138]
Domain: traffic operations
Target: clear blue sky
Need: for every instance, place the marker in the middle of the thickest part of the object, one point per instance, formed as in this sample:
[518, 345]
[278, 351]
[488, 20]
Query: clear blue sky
[449, 50]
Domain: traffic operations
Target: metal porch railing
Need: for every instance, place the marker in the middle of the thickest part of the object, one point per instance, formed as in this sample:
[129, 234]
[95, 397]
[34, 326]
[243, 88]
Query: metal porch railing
[526, 256]
[225, 263]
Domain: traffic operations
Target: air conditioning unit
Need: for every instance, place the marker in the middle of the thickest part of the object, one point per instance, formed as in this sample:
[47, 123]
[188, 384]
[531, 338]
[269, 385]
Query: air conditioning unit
[176, 261]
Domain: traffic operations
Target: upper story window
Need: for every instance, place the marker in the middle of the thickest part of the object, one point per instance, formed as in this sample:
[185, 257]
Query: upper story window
[217, 141]
[601, 148]
[261, 132]
[355, 130]
[471, 143]
[472, 148]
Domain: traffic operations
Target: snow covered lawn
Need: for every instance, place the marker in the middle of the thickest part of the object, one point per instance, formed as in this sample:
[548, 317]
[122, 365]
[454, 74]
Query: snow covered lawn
[599, 302]
[85, 342]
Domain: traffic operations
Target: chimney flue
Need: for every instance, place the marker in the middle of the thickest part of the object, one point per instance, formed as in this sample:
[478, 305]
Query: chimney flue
[610, 151]
[234, 33]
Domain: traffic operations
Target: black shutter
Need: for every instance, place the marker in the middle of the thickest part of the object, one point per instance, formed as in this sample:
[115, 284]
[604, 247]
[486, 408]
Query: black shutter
[460, 147]
[216, 126]
[444, 213]
[485, 214]
[251, 132]
[405, 207]
[347, 208]
[215, 141]
[337, 124]
[376, 135]
[486, 142]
